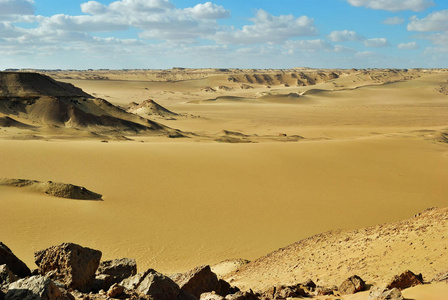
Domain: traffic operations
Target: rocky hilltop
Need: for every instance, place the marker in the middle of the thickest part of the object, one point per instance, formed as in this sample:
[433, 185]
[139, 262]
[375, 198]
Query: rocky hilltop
[70, 271]
[31, 99]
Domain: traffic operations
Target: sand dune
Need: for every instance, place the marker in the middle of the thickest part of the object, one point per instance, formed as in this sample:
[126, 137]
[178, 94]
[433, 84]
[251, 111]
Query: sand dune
[361, 153]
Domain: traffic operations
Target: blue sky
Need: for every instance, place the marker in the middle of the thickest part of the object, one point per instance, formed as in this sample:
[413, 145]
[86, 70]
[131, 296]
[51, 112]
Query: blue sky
[159, 34]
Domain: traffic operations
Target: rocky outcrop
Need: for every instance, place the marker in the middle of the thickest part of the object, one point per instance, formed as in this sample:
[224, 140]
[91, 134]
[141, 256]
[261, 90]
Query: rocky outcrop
[6, 276]
[378, 293]
[33, 288]
[197, 281]
[352, 285]
[405, 280]
[16, 266]
[153, 284]
[115, 271]
[57, 189]
[70, 264]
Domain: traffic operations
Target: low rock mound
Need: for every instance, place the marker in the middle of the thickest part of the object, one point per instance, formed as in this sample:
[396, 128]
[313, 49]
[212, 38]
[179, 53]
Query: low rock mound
[149, 108]
[57, 189]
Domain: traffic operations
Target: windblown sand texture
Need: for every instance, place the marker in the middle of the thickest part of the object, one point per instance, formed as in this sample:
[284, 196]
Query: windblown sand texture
[270, 157]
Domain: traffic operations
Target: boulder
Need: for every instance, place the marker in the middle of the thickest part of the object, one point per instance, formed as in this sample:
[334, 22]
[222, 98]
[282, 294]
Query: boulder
[6, 276]
[183, 295]
[211, 296]
[16, 266]
[309, 284]
[405, 280]
[34, 288]
[70, 264]
[197, 281]
[283, 292]
[115, 291]
[117, 270]
[378, 293]
[352, 285]
[154, 284]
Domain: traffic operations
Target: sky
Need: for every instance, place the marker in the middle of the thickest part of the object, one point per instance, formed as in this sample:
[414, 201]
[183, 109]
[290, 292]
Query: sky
[262, 34]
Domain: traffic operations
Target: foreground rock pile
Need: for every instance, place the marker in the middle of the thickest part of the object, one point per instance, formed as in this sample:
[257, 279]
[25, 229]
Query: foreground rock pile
[69, 271]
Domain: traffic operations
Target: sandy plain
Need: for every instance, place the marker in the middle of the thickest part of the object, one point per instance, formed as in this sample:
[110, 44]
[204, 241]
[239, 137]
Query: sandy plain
[373, 151]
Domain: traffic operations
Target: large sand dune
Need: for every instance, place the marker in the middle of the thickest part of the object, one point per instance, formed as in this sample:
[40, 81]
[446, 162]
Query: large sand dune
[373, 150]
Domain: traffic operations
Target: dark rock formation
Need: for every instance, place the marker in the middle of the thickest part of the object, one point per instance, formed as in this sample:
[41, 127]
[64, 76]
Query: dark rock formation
[154, 284]
[16, 266]
[70, 264]
[352, 285]
[405, 280]
[197, 281]
[116, 270]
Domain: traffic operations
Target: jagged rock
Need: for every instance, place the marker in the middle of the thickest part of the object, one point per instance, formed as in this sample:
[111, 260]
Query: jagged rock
[378, 293]
[323, 291]
[310, 285]
[211, 296]
[34, 288]
[154, 284]
[352, 285]
[283, 292]
[197, 281]
[16, 266]
[115, 291]
[242, 296]
[6, 276]
[117, 270]
[224, 288]
[405, 280]
[440, 277]
[101, 282]
[70, 264]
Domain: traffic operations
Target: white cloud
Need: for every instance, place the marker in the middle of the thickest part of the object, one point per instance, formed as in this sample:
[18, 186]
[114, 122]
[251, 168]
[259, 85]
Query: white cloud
[344, 36]
[393, 21]
[436, 21]
[16, 7]
[393, 5]
[376, 42]
[93, 8]
[408, 46]
[208, 10]
[269, 29]
[308, 45]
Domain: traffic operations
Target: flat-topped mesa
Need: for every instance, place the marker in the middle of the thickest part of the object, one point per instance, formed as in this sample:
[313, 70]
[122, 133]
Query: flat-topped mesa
[21, 84]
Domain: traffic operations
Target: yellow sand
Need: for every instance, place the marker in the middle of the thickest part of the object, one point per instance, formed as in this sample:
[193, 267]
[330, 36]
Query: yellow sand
[369, 157]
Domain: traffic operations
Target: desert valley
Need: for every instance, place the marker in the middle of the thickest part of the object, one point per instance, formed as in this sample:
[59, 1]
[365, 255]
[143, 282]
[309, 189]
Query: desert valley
[271, 177]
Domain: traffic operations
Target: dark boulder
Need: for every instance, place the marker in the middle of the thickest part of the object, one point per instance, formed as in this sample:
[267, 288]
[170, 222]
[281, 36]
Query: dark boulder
[16, 266]
[154, 284]
[197, 281]
[115, 271]
[405, 280]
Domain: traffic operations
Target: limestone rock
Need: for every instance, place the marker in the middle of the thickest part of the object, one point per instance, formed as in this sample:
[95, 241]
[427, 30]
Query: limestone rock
[16, 266]
[378, 293]
[6, 276]
[117, 270]
[34, 288]
[154, 284]
[115, 291]
[352, 285]
[211, 296]
[197, 281]
[405, 280]
[70, 264]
